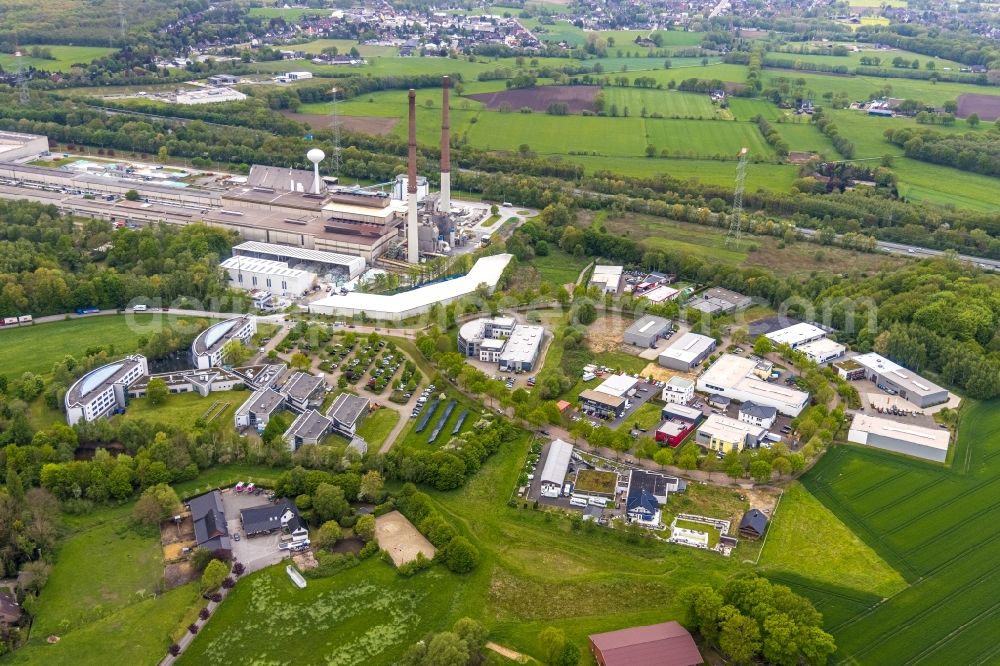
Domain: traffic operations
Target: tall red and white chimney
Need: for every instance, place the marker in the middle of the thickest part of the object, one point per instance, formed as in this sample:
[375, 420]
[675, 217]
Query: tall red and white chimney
[445, 200]
[412, 241]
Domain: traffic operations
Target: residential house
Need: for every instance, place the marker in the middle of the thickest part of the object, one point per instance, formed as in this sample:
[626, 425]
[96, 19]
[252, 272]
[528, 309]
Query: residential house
[209, 518]
[270, 518]
[758, 415]
[753, 524]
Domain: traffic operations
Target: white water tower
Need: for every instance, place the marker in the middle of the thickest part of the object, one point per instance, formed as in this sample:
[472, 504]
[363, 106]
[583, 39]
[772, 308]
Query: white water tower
[316, 156]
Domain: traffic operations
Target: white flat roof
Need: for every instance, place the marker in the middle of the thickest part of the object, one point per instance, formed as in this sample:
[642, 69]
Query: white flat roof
[557, 462]
[795, 334]
[617, 385]
[395, 207]
[660, 294]
[822, 347]
[897, 374]
[608, 270]
[937, 438]
[486, 270]
[523, 343]
[264, 266]
[688, 347]
[731, 372]
[318, 256]
[729, 429]
[680, 383]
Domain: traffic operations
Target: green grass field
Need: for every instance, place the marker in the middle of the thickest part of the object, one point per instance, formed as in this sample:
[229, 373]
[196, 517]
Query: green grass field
[37, 348]
[805, 137]
[939, 529]
[558, 267]
[343, 45]
[376, 427]
[714, 172]
[669, 103]
[182, 409]
[65, 57]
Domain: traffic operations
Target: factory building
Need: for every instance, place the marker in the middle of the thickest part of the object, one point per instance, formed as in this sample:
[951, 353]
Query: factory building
[647, 331]
[607, 278]
[796, 335]
[15, 146]
[556, 466]
[206, 350]
[906, 383]
[336, 265]
[274, 277]
[687, 352]
[104, 390]
[733, 378]
[888, 435]
[719, 301]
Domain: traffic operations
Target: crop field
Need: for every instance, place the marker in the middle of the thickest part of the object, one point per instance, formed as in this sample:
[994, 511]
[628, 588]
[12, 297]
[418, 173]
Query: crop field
[343, 45]
[669, 103]
[65, 57]
[744, 108]
[37, 348]
[939, 529]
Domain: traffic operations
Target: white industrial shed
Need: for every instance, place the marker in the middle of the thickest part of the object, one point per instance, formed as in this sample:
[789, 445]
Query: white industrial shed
[688, 351]
[823, 350]
[796, 335]
[646, 331]
[556, 465]
[908, 384]
[418, 301]
[733, 377]
[335, 262]
[274, 277]
[888, 435]
[14, 145]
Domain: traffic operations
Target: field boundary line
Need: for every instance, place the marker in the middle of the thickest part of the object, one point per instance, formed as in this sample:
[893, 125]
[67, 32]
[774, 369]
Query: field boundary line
[955, 633]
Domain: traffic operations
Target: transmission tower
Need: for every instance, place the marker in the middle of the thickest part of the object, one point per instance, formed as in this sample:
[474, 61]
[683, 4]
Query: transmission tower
[336, 158]
[736, 221]
[122, 23]
[22, 81]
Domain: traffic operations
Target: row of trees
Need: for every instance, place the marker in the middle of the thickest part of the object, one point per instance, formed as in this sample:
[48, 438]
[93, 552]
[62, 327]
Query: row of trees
[977, 152]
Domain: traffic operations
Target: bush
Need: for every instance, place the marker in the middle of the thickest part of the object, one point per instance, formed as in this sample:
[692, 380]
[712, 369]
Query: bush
[228, 582]
[238, 568]
[414, 566]
[175, 649]
[459, 555]
[193, 628]
[370, 549]
[364, 528]
[215, 573]
[203, 613]
[215, 596]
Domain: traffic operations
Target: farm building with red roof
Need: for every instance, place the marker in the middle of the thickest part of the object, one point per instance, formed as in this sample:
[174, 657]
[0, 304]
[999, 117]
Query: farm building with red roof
[665, 644]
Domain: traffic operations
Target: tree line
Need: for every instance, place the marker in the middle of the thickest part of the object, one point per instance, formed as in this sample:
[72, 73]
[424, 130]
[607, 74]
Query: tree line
[978, 152]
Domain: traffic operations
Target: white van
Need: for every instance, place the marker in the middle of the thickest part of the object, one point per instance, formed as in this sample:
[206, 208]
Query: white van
[139, 308]
[578, 501]
[598, 501]
[567, 490]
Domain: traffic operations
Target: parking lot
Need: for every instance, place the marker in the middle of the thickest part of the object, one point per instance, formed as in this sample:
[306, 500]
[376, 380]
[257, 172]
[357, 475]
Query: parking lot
[254, 552]
[644, 391]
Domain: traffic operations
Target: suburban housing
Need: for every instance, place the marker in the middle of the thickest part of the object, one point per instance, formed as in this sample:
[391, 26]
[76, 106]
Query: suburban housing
[758, 415]
[734, 377]
[209, 518]
[104, 390]
[753, 524]
[688, 351]
[206, 350]
[665, 644]
[647, 331]
[889, 435]
[908, 384]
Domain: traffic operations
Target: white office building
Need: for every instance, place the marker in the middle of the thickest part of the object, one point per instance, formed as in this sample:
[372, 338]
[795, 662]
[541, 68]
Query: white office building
[607, 278]
[678, 391]
[722, 434]
[733, 377]
[888, 435]
[104, 390]
[206, 350]
[823, 350]
[688, 351]
[256, 411]
[796, 335]
[272, 276]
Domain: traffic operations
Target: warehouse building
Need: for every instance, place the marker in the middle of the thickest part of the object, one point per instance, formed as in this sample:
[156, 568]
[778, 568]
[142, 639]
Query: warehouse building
[104, 390]
[486, 271]
[607, 278]
[678, 391]
[823, 350]
[907, 384]
[722, 434]
[682, 412]
[620, 386]
[719, 301]
[733, 377]
[796, 335]
[661, 294]
[687, 352]
[556, 466]
[674, 431]
[15, 146]
[271, 276]
[888, 435]
[316, 261]
[206, 350]
[646, 332]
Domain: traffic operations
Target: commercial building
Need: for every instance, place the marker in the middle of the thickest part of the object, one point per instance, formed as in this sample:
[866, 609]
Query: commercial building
[514, 347]
[346, 412]
[206, 350]
[602, 404]
[888, 435]
[486, 272]
[796, 335]
[309, 427]
[823, 350]
[758, 415]
[678, 391]
[15, 146]
[256, 411]
[687, 352]
[719, 301]
[618, 385]
[103, 391]
[556, 466]
[212, 95]
[186, 381]
[682, 412]
[647, 331]
[302, 391]
[661, 294]
[336, 265]
[907, 384]
[734, 377]
[607, 278]
[723, 434]
[521, 349]
[673, 431]
[665, 644]
[274, 277]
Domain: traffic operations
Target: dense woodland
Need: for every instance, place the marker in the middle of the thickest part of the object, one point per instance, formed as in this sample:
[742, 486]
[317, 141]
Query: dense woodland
[979, 152]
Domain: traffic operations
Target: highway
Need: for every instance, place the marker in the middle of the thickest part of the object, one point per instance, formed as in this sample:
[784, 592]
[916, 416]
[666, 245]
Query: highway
[916, 251]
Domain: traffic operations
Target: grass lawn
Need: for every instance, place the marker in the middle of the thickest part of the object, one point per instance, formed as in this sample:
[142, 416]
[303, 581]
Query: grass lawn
[713, 172]
[98, 571]
[712, 532]
[559, 267]
[377, 427]
[647, 417]
[344, 46]
[806, 539]
[65, 57]
[365, 615]
[491, 220]
[594, 481]
[667, 102]
[37, 348]
[182, 409]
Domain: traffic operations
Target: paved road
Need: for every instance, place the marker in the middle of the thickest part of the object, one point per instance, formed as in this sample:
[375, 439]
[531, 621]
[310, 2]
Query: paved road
[916, 251]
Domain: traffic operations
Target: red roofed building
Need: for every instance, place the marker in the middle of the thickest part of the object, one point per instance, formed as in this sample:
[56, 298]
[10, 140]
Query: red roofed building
[665, 644]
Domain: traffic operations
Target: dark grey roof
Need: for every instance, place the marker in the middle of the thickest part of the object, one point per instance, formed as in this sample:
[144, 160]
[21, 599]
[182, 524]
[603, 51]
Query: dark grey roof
[267, 517]
[657, 484]
[642, 501]
[347, 408]
[262, 402]
[754, 521]
[310, 424]
[719, 399]
[301, 385]
[758, 411]
[209, 517]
